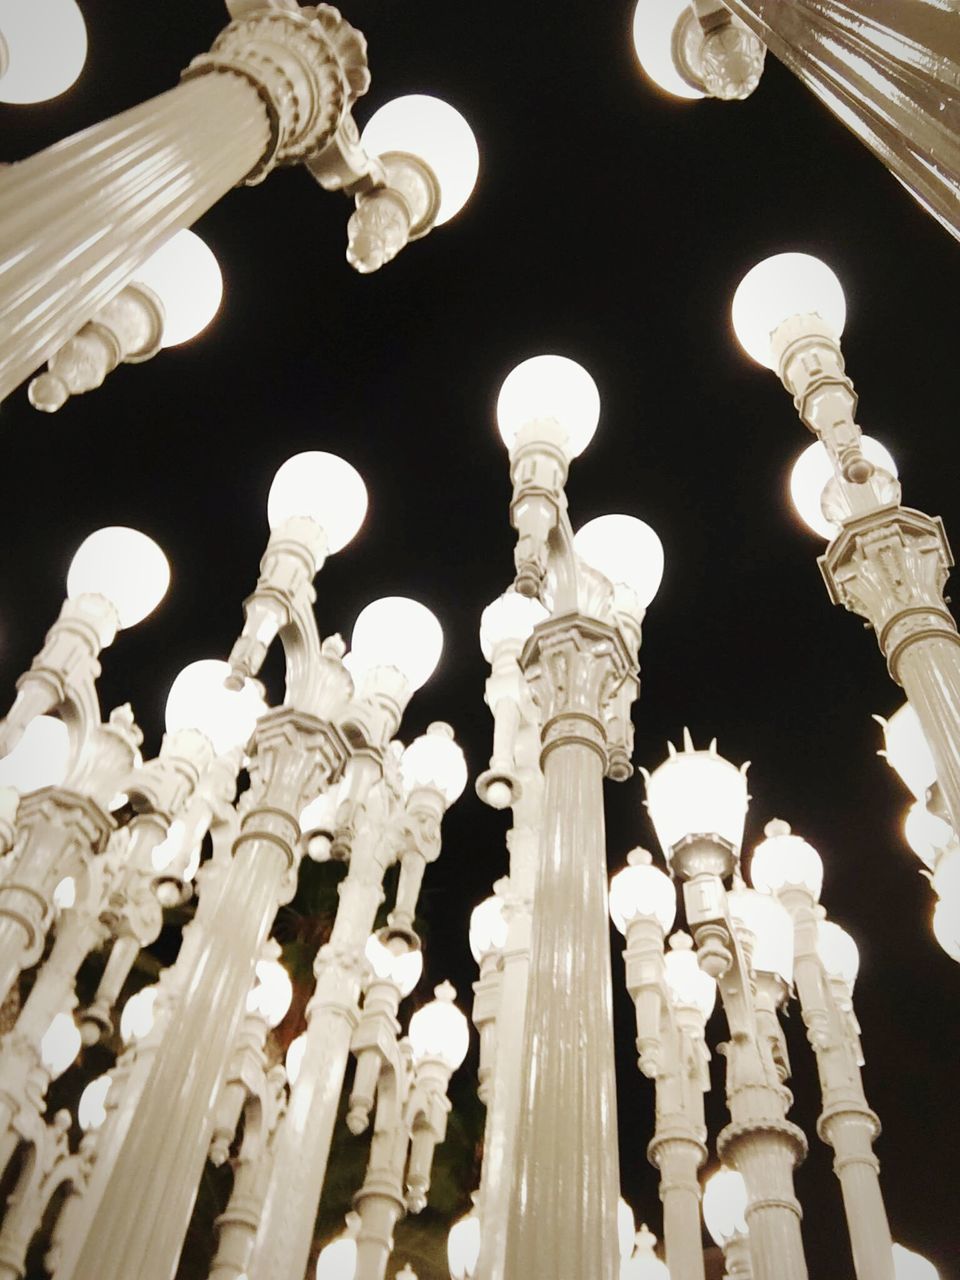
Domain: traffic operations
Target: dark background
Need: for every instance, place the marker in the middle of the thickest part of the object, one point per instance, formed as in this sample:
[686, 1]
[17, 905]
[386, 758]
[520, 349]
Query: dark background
[609, 224]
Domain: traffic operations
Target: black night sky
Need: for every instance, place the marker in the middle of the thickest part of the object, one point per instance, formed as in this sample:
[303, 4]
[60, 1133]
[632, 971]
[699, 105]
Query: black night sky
[612, 225]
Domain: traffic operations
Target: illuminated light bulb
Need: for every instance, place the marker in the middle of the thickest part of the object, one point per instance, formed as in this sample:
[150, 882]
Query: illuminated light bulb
[926, 834]
[549, 388]
[439, 1030]
[784, 859]
[186, 277]
[654, 22]
[625, 550]
[198, 699]
[296, 1051]
[626, 1226]
[488, 928]
[272, 993]
[907, 750]
[396, 632]
[324, 487]
[60, 1044]
[92, 1107]
[690, 987]
[65, 894]
[644, 1265]
[39, 759]
[434, 760]
[946, 926]
[436, 133]
[813, 471]
[403, 967]
[510, 617]
[779, 288]
[908, 1265]
[641, 889]
[463, 1247]
[725, 1205]
[338, 1260]
[839, 954]
[125, 566]
[772, 927]
[138, 1015]
[43, 46]
[697, 793]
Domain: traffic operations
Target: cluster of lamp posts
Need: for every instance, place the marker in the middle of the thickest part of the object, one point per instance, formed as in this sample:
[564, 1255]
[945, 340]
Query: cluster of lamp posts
[96, 841]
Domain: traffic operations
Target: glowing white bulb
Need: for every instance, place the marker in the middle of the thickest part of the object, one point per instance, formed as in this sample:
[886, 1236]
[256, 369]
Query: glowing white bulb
[60, 1044]
[838, 952]
[725, 1205]
[185, 276]
[92, 1107]
[402, 967]
[813, 470]
[946, 926]
[654, 22]
[44, 46]
[199, 699]
[549, 388]
[908, 751]
[642, 890]
[272, 992]
[689, 986]
[434, 131]
[509, 617]
[65, 894]
[697, 793]
[779, 288]
[125, 566]
[926, 834]
[625, 550]
[644, 1264]
[138, 1015]
[338, 1260]
[772, 928]
[908, 1265]
[296, 1052]
[439, 1030]
[39, 759]
[396, 632]
[626, 1226]
[784, 859]
[434, 760]
[324, 487]
[463, 1247]
[488, 928]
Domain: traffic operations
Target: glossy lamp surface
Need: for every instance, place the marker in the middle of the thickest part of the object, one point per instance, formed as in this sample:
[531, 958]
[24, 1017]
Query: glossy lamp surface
[45, 47]
[549, 388]
[272, 992]
[338, 1261]
[697, 793]
[689, 986]
[324, 487]
[786, 859]
[60, 1044]
[838, 952]
[396, 632]
[125, 566]
[402, 967]
[779, 288]
[439, 1030]
[725, 1205]
[772, 929]
[908, 752]
[434, 131]
[625, 550]
[186, 277]
[509, 617]
[813, 470]
[198, 699]
[642, 890]
[926, 834]
[654, 22]
[39, 759]
[463, 1247]
[488, 928]
[434, 760]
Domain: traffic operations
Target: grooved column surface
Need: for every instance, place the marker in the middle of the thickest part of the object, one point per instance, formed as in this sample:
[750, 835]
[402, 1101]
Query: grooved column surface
[680, 1192]
[563, 1210]
[152, 1153]
[851, 1136]
[77, 219]
[773, 1214]
[929, 670]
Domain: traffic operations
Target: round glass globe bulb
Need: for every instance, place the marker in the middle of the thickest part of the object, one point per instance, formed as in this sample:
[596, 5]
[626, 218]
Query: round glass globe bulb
[434, 760]
[125, 566]
[838, 952]
[644, 1265]
[642, 890]
[946, 926]
[396, 632]
[65, 894]
[338, 1261]
[697, 793]
[40, 758]
[272, 992]
[439, 1030]
[432, 130]
[509, 617]
[908, 751]
[186, 277]
[488, 928]
[725, 1205]
[549, 388]
[402, 967]
[324, 487]
[45, 42]
[625, 550]
[772, 927]
[811, 474]
[690, 987]
[908, 1265]
[626, 1226]
[785, 859]
[779, 288]
[136, 1020]
[92, 1108]
[463, 1247]
[293, 1062]
[926, 834]
[60, 1044]
[654, 22]
[198, 699]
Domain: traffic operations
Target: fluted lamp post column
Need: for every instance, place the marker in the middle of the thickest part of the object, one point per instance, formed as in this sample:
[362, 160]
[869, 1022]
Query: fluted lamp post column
[562, 1217]
[698, 802]
[790, 868]
[886, 562]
